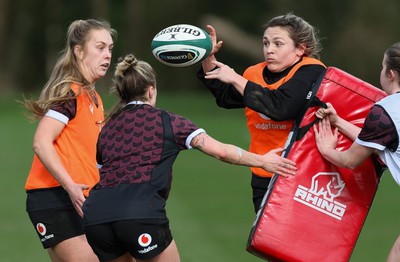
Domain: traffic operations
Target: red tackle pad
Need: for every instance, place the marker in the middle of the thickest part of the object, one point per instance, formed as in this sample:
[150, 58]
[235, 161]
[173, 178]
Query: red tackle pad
[317, 215]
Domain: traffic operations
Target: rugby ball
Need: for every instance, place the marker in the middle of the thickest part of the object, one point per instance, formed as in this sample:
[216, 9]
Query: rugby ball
[181, 45]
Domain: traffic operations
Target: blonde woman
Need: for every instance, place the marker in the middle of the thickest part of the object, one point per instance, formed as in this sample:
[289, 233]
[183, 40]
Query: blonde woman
[70, 114]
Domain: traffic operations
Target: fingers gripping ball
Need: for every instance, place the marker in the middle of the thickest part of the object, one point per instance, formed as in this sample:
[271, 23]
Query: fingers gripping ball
[181, 45]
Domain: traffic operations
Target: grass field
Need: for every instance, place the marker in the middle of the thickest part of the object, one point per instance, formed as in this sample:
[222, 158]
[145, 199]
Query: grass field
[210, 204]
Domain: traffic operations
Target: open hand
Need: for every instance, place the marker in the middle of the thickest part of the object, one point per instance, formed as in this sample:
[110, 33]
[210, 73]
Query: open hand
[324, 137]
[276, 164]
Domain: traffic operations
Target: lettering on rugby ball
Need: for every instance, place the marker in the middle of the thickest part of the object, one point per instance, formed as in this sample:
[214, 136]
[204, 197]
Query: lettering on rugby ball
[181, 45]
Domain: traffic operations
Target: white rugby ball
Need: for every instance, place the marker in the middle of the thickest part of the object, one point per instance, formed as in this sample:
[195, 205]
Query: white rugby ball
[181, 45]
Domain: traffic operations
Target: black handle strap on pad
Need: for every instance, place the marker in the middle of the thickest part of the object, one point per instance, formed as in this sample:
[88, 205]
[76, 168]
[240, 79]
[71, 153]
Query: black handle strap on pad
[304, 129]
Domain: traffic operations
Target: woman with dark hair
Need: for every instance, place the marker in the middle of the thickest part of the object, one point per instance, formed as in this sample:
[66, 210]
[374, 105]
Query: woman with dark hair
[272, 92]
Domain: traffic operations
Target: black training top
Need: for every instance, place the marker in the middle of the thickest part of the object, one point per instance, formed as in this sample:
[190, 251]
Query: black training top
[280, 104]
[136, 151]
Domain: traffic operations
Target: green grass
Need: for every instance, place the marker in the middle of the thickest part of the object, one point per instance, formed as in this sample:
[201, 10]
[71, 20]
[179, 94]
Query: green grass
[210, 205]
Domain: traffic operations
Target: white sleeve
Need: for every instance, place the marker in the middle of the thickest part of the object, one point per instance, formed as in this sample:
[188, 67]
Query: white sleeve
[193, 135]
[57, 116]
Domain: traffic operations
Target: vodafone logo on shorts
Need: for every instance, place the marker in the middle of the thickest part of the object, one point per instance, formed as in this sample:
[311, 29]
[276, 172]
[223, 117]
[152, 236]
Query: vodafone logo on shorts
[144, 240]
[41, 229]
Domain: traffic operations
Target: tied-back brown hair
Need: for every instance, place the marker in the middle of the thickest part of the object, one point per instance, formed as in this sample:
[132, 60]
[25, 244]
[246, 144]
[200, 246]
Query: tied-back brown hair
[393, 58]
[300, 31]
[132, 78]
[66, 71]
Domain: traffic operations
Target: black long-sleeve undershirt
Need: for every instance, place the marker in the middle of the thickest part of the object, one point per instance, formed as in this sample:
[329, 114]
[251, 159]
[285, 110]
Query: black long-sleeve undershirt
[281, 104]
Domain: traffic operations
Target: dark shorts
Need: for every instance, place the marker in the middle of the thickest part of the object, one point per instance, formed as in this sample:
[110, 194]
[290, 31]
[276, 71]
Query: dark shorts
[259, 186]
[143, 239]
[56, 225]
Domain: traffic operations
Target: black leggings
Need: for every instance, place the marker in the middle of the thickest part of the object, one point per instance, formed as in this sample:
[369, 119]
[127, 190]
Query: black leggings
[260, 187]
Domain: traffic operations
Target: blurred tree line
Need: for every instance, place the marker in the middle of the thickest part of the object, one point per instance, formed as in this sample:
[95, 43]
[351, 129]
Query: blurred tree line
[354, 34]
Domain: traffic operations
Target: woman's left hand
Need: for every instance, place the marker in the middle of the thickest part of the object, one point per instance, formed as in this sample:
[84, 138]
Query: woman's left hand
[223, 73]
[324, 137]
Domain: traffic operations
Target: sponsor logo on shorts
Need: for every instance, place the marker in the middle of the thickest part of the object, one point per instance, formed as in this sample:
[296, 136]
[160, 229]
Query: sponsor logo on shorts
[41, 229]
[145, 240]
[325, 187]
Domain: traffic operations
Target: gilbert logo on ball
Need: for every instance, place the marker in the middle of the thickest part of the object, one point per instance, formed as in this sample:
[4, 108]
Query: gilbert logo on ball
[181, 45]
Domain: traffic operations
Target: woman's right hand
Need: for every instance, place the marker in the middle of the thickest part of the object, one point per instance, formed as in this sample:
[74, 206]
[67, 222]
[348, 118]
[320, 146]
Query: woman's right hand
[328, 112]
